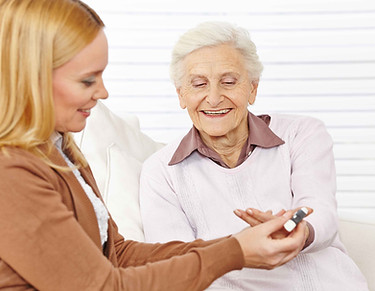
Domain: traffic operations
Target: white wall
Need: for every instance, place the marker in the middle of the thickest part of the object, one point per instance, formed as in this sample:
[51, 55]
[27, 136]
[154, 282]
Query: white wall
[319, 59]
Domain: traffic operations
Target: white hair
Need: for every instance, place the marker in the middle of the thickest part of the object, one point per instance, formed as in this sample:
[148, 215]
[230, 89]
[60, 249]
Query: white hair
[210, 34]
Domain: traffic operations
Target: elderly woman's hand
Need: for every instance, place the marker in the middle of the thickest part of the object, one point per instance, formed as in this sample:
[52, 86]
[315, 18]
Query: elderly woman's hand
[261, 250]
[255, 217]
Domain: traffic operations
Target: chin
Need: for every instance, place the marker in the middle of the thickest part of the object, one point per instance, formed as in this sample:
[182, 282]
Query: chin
[77, 128]
[214, 134]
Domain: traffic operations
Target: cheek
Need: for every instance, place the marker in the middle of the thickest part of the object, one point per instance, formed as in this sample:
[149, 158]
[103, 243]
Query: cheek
[65, 103]
[186, 98]
[61, 101]
[195, 97]
[56, 92]
[242, 97]
[60, 90]
[193, 106]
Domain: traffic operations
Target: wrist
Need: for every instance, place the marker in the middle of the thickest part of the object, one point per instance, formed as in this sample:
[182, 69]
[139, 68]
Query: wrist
[309, 235]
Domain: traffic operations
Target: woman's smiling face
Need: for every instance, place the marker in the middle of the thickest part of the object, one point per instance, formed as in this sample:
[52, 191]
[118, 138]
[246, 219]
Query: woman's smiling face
[78, 84]
[216, 91]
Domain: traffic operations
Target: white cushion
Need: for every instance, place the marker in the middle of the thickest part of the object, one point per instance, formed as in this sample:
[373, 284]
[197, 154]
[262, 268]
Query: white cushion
[115, 149]
[358, 236]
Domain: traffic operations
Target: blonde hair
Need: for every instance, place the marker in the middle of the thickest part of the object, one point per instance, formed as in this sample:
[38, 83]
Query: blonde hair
[37, 36]
[211, 34]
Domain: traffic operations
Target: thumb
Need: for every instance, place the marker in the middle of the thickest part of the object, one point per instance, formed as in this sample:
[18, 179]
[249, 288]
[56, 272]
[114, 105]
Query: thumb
[276, 224]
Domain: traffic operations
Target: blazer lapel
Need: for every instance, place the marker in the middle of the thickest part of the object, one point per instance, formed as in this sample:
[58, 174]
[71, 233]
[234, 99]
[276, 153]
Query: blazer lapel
[109, 250]
[84, 210]
[89, 178]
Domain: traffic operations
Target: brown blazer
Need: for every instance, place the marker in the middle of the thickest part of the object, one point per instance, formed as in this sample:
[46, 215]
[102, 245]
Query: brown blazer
[49, 239]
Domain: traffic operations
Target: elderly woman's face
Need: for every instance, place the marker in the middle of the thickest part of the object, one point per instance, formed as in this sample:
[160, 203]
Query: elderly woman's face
[216, 91]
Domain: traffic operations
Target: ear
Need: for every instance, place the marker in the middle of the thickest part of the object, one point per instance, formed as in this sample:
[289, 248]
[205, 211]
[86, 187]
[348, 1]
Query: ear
[181, 98]
[253, 92]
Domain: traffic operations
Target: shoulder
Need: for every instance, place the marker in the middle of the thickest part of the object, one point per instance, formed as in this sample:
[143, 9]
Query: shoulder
[13, 156]
[298, 131]
[15, 162]
[162, 156]
[290, 120]
[286, 124]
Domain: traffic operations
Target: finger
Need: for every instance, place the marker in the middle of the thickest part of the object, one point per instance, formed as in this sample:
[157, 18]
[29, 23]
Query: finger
[299, 231]
[310, 210]
[297, 237]
[298, 241]
[246, 217]
[289, 213]
[260, 215]
[288, 247]
[279, 234]
[273, 225]
[280, 213]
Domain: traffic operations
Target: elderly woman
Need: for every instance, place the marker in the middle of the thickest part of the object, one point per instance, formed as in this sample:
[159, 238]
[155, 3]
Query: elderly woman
[232, 159]
[56, 233]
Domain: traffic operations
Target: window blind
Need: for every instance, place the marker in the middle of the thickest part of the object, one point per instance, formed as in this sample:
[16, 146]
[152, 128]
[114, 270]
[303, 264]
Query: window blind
[319, 59]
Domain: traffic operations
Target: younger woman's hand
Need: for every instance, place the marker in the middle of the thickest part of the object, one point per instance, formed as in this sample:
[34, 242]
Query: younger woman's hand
[263, 251]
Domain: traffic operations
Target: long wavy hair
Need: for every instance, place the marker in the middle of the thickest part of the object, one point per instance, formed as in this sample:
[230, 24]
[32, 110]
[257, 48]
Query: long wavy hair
[36, 37]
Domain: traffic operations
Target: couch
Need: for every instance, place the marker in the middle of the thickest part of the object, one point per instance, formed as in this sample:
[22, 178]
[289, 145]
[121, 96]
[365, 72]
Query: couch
[358, 236]
[116, 148]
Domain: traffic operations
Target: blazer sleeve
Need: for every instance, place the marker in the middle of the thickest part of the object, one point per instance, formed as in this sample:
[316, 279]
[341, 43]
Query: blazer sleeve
[45, 245]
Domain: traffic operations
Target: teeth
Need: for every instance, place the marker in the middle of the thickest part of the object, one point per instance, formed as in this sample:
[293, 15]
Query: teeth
[216, 112]
[85, 110]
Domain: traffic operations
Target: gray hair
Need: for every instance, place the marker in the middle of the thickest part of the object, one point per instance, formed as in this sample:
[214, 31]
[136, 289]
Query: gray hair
[210, 34]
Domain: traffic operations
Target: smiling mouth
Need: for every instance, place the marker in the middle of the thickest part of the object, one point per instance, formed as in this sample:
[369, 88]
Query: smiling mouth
[84, 110]
[215, 112]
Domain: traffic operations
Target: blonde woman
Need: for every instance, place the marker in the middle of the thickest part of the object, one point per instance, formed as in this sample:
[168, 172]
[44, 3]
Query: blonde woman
[56, 233]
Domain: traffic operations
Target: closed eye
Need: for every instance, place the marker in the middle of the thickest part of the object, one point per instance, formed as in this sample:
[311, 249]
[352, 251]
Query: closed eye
[89, 82]
[199, 85]
[229, 81]
[198, 82]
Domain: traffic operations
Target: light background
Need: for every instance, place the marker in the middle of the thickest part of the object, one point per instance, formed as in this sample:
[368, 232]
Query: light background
[319, 59]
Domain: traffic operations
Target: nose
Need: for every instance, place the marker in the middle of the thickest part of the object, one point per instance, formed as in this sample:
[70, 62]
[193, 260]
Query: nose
[214, 96]
[101, 92]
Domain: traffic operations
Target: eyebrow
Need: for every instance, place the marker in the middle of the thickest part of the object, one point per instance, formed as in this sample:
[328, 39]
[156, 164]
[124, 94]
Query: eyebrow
[225, 74]
[193, 76]
[90, 73]
[231, 73]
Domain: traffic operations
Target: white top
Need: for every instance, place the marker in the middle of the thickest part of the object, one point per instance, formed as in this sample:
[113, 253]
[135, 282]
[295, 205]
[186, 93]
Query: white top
[196, 198]
[99, 208]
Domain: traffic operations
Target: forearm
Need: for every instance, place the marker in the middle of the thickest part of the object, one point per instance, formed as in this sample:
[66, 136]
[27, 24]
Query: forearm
[195, 270]
[133, 253]
[313, 182]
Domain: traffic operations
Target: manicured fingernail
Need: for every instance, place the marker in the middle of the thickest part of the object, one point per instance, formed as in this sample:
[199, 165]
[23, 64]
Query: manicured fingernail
[249, 211]
[237, 212]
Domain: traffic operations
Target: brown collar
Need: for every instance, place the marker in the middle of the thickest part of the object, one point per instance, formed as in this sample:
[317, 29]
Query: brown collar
[259, 135]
